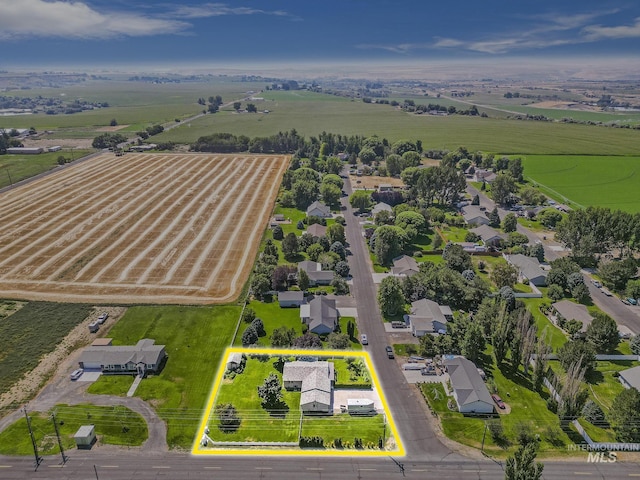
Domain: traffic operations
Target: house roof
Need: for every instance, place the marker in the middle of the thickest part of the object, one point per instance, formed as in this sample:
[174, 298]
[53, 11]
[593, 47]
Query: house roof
[632, 376]
[471, 212]
[315, 272]
[573, 311]
[404, 265]
[317, 230]
[529, 267]
[381, 206]
[316, 380]
[309, 266]
[291, 295]
[322, 311]
[487, 234]
[143, 352]
[424, 312]
[235, 358]
[319, 206]
[466, 381]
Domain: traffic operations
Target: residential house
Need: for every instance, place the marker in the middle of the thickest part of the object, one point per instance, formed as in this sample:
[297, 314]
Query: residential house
[138, 359]
[489, 236]
[320, 314]
[381, 207]
[529, 268]
[316, 230]
[630, 378]
[385, 187]
[469, 390]
[290, 298]
[317, 276]
[481, 175]
[318, 209]
[404, 265]
[474, 216]
[428, 317]
[315, 382]
[573, 311]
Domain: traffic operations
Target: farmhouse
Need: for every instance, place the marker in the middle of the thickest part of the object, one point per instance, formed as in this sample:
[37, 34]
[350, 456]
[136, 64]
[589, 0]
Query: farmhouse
[321, 315]
[488, 235]
[290, 298]
[317, 276]
[404, 265]
[630, 378]
[573, 311]
[315, 381]
[428, 317]
[481, 175]
[470, 392]
[318, 209]
[316, 230]
[528, 268]
[138, 359]
[474, 216]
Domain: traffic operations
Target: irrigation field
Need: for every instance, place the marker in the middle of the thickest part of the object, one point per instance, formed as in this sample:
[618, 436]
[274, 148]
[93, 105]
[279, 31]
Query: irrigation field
[607, 181]
[141, 228]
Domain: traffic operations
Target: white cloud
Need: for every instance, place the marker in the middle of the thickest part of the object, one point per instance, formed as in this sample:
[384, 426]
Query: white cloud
[40, 18]
[219, 9]
[598, 32]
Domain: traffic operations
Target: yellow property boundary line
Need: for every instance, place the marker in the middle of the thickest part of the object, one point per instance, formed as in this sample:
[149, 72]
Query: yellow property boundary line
[197, 448]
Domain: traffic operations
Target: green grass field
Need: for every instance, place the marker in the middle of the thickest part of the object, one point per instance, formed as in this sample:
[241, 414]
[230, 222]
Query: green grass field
[14, 168]
[580, 181]
[195, 339]
[27, 335]
[113, 425]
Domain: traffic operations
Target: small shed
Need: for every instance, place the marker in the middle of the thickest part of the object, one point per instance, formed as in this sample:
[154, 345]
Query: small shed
[102, 342]
[360, 405]
[85, 437]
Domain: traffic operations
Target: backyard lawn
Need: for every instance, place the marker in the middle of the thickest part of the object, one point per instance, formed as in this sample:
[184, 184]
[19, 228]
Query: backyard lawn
[556, 337]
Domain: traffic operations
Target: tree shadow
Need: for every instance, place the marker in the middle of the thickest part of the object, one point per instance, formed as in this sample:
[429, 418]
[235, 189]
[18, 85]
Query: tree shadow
[280, 410]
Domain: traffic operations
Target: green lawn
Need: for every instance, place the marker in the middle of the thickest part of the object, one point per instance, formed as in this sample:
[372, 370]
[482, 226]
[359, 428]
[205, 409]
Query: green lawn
[195, 338]
[556, 337]
[454, 234]
[607, 181]
[257, 424]
[27, 335]
[111, 385]
[14, 168]
[603, 386]
[406, 349]
[354, 377]
[113, 425]
[347, 427]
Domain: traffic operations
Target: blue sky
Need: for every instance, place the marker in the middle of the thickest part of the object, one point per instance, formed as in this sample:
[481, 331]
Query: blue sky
[136, 32]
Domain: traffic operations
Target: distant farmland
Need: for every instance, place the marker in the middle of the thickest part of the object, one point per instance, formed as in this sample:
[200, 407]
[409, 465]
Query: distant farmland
[607, 181]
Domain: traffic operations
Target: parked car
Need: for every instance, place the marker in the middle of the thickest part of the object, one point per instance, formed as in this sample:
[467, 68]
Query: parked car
[389, 351]
[103, 317]
[632, 301]
[498, 401]
[364, 340]
[596, 283]
[76, 374]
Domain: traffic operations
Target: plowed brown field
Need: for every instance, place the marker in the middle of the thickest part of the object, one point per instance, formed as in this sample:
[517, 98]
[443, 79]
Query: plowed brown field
[141, 228]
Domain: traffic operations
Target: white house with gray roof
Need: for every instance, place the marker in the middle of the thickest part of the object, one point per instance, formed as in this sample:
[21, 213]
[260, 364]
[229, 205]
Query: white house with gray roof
[529, 268]
[490, 236]
[315, 382]
[320, 314]
[405, 265]
[630, 378]
[428, 317]
[573, 311]
[469, 390]
[318, 209]
[316, 275]
[139, 359]
[474, 216]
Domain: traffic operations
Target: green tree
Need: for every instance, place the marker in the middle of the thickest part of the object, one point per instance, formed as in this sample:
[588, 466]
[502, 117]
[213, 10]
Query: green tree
[251, 108]
[504, 274]
[615, 275]
[428, 348]
[304, 192]
[624, 416]
[555, 292]
[333, 179]
[270, 392]
[411, 159]
[577, 352]
[632, 289]
[522, 465]
[314, 251]
[237, 105]
[308, 340]
[290, 246]
[340, 285]
[549, 217]
[249, 336]
[395, 164]
[335, 233]
[402, 146]
[361, 200]
[367, 156]
[602, 333]
[303, 280]
[260, 285]
[635, 345]
[228, 418]
[494, 218]
[456, 258]
[473, 342]
[278, 233]
[330, 194]
[537, 251]
[391, 297]
[388, 243]
[338, 341]
[282, 337]
[509, 223]
[502, 187]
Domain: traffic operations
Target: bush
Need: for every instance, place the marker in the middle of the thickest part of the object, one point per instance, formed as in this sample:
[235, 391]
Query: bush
[635, 345]
[552, 405]
[496, 431]
[258, 326]
[593, 414]
[278, 234]
[250, 336]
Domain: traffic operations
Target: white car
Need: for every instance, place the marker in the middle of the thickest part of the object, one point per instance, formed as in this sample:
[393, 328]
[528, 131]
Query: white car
[364, 340]
[596, 284]
[76, 374]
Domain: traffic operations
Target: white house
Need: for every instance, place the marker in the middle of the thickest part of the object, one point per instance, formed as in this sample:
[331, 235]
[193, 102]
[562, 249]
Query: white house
[315, 382]
[474, 216]
[405, 265]
[469, 390]
[137, 359]
[529, 268]
[428, 317]
[321, 315]
[318, 209]
[290, 298]
[630, 378]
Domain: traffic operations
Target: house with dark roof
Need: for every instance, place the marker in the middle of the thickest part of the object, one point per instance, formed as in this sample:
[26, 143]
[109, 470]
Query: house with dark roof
[428, 317]
[529, 268]
[320, 314]
[315, 382]
[316, 230]
[573, 311]
[489, 236]
[290, 298]
[316, 275]
[318, 209]
[469, 390]
[630, 378]
[474, 216]
[405, 265]
[139, 359]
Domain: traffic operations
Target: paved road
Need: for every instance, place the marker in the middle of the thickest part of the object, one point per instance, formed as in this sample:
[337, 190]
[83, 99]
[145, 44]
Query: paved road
[406, 403]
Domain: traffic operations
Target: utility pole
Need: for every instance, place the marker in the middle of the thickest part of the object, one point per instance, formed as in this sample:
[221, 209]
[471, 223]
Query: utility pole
[96, 470]
[33, 440]
[484, 433]
[55, 426]
[400, 465]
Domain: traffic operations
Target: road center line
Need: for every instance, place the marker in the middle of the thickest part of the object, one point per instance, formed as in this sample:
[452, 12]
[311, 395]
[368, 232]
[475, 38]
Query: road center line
[109, 466]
